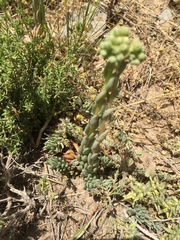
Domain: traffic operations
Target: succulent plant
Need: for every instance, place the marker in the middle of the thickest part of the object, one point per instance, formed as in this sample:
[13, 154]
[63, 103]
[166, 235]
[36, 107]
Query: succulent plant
[118, 50]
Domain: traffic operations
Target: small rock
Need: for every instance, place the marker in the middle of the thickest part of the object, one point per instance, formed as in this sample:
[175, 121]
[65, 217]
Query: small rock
[165, 15]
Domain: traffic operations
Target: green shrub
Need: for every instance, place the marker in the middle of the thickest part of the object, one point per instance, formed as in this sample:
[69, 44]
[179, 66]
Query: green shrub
[33, 85]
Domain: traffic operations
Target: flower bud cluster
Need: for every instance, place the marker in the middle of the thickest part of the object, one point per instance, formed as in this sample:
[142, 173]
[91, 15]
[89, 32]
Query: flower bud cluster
[118, 47]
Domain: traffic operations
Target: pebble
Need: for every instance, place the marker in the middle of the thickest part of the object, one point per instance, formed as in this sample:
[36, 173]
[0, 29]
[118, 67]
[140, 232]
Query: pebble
[164, 16]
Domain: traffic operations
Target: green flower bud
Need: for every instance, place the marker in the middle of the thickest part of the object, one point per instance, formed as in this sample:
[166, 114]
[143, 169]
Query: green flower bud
[120, 57]
[135, 62]
[125, 40]
[132, 57]
[124, 48]
[136, 46]
[102, 45]
[117, 41]
[112, 59]
[142, 56]
[123, 31]
[103, 53]
[110, 38]
[105, 45]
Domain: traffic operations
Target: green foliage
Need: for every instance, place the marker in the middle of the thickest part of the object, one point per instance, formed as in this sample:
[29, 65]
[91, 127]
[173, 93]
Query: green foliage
[59, 164]
[33, 85]
[61, 136]
[108, 188]
[1, 224]
[127, 229]
[155, 194]
[141, 215]
[60, 139]
[44, 185]
[172, 232]
[56, 143]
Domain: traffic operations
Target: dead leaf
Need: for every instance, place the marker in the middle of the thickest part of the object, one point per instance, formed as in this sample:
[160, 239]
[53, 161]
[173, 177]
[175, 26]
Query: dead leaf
[69, 155]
